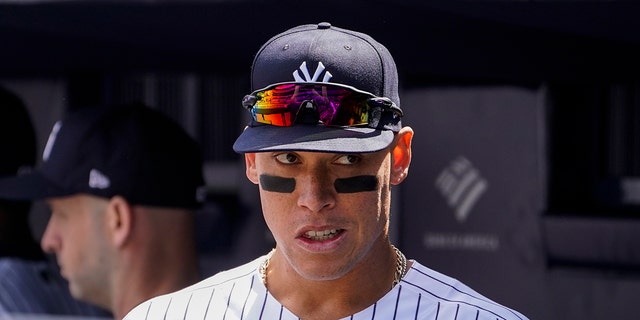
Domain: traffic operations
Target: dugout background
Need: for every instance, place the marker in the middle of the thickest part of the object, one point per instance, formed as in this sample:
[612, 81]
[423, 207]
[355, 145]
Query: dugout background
[526, 156]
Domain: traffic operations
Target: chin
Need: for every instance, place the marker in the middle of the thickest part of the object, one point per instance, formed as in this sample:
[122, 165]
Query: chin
[76, 291]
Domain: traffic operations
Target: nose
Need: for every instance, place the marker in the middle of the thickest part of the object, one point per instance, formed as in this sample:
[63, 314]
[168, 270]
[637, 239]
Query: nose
[50, 242]
[316, 192]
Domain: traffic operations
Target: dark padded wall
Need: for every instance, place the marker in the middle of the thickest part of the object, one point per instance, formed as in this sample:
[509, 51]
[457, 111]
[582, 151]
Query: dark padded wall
[472, 203]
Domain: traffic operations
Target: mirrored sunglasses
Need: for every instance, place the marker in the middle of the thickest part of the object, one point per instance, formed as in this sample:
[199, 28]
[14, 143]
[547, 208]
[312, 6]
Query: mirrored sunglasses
[285, 104]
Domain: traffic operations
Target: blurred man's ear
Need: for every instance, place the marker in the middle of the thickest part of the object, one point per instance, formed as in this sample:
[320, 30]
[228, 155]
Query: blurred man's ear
[119, 220]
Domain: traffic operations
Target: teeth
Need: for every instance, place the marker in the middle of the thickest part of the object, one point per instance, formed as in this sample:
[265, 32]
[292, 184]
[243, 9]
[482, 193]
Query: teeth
[321, 235]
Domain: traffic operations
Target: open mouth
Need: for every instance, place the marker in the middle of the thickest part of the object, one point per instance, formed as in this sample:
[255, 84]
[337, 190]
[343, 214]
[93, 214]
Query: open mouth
[322, 235]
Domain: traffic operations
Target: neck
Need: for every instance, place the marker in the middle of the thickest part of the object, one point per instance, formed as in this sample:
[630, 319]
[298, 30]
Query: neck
[153, 277]
[359, 288]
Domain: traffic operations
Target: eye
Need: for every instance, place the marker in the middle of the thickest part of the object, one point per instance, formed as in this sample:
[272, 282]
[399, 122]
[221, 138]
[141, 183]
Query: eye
[348, 159]
[287, 158]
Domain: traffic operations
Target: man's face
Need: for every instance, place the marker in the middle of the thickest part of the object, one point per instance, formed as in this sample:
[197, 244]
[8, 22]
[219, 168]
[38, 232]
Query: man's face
[76, 235]
[325, 210]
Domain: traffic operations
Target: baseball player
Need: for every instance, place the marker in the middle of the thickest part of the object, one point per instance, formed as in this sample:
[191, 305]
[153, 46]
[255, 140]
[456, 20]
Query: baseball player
[325, 145]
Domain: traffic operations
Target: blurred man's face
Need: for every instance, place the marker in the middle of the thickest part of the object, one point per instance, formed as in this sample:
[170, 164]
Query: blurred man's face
[76, 234]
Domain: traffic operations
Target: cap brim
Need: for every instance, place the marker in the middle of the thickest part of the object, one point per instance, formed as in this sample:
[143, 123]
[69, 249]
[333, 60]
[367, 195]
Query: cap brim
[30, 186]
[312, 138]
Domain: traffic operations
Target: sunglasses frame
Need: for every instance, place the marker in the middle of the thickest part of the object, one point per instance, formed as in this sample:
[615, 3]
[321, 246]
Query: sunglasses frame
[376, 105]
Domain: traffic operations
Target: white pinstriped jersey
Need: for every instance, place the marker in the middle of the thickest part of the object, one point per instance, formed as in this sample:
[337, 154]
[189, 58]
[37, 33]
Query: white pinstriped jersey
[240, 294]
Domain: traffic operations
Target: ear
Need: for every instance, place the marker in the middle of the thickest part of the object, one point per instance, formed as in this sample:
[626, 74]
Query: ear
[119, 220]
[252, 173]
[401, 155]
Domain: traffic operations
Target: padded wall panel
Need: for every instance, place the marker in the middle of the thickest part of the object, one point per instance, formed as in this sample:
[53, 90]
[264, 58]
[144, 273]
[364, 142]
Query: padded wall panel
[471, 206]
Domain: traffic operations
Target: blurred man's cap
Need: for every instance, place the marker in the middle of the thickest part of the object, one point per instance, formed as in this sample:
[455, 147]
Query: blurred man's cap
[131, 151]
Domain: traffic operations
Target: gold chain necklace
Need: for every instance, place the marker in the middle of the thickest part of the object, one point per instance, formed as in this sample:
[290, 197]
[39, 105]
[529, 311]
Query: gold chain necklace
[262, 270]
[401, 267]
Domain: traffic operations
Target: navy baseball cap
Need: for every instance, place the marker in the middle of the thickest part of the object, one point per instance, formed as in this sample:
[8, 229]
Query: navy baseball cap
[322, 53]
[129, 150]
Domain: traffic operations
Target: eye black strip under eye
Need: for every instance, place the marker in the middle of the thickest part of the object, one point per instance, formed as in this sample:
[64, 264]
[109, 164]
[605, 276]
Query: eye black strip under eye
[277, 184]
[356, 184]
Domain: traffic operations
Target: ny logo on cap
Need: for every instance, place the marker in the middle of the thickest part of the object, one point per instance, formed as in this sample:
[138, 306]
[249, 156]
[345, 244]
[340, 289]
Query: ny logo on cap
[52, 139]
[98, 180]
[307, 76]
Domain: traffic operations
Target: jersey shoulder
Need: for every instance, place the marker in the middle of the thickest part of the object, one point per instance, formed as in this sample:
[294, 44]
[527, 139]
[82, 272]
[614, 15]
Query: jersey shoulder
[449, 293]
[179, 301]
